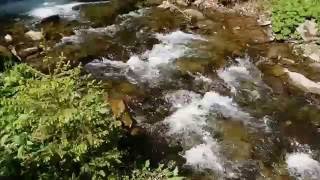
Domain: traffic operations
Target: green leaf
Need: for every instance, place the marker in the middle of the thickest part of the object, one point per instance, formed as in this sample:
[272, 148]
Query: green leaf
[4, 139]
[176, 171]
[102, 173]
[20, 153]
[147, 164]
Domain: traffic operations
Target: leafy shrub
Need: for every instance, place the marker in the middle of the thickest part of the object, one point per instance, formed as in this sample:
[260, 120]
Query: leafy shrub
[55, 126]
[287, 15]
[59, 126]
[160, 173]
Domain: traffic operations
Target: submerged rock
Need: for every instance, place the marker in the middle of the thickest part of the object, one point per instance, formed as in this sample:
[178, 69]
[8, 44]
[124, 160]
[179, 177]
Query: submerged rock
[303, 83]
[277, 70]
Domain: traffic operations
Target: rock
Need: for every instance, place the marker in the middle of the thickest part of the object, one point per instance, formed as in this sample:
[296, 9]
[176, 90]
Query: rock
[166, 5]
[154, 2]
[29, 51]
[236, 28]
[207, 24]
[14, 52]
[183, 3]
[315, 66]
[235, 136]
[205, 4]
[50, 19]
[303, 83]
[277, 51]
[34, 35]
[311, 51]
[8, 38]
[192, 66]
[118, 107]
[193, 13]
[119, 110]
[263, 21]
[277, 70]
[136, 131]
[287, 61]
[308, 30]
[127, 120]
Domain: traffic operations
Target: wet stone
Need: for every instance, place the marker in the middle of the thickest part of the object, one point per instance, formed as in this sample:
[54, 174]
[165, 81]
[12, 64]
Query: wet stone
[34, 35]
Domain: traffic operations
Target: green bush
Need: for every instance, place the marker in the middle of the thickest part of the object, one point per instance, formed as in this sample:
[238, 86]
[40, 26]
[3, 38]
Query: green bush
[55, 126]
[287, 15]
[160, 173]
[59, 126]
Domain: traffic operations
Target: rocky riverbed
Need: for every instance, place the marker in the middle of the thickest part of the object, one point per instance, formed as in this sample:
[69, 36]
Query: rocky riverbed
[206, 88]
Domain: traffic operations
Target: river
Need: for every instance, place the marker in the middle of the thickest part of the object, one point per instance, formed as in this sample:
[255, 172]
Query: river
[212, 94]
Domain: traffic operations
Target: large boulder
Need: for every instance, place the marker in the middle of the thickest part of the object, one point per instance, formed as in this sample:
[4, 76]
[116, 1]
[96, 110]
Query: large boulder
[34, 35]
[308, 30]
[51, 19]
[300, 81]
[24, 53]
[311, 50]
[315, 67]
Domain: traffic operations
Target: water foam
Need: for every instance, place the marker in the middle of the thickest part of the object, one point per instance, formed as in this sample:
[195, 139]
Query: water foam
[146, 68]
[181, 98]
[302, 166]
[64, 10]
[204, 156]
[244, 70]
[192, 116]
[190, 121]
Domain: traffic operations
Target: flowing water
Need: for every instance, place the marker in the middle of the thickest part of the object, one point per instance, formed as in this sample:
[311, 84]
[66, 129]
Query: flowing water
[212, 94]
